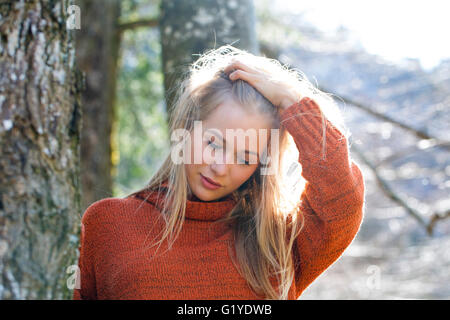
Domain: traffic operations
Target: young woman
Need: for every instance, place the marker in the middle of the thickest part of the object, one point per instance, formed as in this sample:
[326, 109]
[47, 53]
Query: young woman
[222, 220]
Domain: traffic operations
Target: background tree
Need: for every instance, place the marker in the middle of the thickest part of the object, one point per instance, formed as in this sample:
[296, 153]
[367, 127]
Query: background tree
[39, 159]
[97, 44]
[188, 28]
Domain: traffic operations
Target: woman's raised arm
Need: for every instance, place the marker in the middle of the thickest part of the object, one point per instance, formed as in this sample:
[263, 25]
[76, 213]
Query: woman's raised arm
[333, 199]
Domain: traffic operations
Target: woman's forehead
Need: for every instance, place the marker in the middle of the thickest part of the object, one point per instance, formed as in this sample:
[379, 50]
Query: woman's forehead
[230, 115]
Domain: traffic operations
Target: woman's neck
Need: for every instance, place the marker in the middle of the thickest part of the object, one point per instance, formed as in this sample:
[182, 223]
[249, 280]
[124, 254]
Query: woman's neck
[193, 197]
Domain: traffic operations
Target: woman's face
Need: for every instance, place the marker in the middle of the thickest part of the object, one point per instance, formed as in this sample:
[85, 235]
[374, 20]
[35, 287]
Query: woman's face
[228, 162]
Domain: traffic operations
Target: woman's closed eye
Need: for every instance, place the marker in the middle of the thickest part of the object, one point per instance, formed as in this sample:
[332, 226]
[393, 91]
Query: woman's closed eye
[216, 146]
[243, 160]
[213, 145]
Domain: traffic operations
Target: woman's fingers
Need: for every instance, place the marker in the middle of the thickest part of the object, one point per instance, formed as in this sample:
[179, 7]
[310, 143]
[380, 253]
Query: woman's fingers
[236, 65]
[273, 90]
[252, 75]
[244, 75]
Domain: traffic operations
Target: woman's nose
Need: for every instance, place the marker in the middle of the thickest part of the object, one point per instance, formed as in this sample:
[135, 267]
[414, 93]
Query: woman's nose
[219, 168]
[218, 162]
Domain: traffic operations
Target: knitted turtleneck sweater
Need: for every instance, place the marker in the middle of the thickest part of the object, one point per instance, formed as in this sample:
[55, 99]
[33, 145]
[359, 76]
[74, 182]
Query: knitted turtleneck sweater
[115, 262]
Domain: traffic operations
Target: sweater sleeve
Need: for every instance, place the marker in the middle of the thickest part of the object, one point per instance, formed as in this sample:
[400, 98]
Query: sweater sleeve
[87, 288]
[333, 198]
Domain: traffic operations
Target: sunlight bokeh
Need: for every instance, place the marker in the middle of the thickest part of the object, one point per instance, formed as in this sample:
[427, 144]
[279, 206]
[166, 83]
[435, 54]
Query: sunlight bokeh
[392, 29]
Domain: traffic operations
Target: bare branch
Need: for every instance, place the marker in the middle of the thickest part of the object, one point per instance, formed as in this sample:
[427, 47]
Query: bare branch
[137, 24]
[388, 191]
[435, 218]
[410, 150]
[419, 133]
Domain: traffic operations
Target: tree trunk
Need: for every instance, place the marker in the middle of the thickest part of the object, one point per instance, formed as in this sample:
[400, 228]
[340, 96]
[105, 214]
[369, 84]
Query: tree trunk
[39, 159]
[191, 27]
[97, 46]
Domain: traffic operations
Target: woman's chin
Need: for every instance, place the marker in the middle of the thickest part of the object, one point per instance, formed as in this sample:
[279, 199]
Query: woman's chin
[204, 195]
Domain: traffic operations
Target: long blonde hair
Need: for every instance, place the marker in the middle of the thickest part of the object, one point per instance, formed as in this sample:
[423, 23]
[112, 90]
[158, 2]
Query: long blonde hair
[265, 222]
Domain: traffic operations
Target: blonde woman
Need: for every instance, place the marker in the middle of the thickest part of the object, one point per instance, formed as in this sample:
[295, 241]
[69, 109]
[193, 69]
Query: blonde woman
[227, 216]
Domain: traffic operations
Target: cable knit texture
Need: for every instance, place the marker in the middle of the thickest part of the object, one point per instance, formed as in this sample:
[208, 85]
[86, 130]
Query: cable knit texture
[116, 263]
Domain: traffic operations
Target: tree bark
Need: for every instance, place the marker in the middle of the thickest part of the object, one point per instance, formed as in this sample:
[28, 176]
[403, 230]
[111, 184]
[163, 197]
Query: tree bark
[39, 159]
[97, 46]
[191, 27]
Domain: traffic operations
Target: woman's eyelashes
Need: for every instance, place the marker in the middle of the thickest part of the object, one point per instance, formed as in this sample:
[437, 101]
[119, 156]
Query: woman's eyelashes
[245, 162]
[213, 145]
[216, 147]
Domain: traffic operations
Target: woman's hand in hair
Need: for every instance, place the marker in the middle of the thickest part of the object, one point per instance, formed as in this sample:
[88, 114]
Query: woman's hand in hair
[278, 93]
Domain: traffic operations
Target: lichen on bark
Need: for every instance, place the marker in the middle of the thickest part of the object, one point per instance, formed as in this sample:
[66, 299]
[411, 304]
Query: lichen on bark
[39, 162]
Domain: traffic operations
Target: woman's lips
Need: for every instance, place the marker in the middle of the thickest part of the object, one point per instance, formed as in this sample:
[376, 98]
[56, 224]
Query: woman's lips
[209, 184]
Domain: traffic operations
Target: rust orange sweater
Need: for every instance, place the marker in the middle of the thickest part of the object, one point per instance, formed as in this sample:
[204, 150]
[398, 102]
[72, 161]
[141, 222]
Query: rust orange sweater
[113, 264]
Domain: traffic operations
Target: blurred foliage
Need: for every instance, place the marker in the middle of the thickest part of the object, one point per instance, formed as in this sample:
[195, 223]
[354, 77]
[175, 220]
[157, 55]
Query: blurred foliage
[272, 25]
[140, 136]
[132, 10]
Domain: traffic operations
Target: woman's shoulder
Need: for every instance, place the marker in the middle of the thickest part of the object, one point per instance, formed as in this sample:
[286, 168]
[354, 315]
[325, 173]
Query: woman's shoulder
[100, 210]
[112, 209]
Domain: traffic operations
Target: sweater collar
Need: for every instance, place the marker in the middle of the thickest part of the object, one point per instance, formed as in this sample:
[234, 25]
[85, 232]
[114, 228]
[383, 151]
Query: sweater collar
[196, 209]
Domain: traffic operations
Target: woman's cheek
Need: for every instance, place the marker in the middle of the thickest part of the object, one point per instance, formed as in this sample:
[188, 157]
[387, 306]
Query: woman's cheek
[197, 148]
[241, 173]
